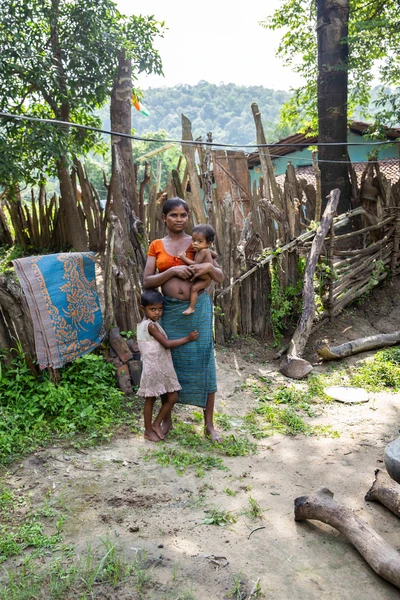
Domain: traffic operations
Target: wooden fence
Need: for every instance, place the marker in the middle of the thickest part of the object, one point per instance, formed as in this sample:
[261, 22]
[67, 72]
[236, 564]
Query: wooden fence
[263, 235]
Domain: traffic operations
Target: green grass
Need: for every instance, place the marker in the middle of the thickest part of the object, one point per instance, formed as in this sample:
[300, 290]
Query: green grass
[34, 409]
[220, 517]
[283, 409]
[381, 373]
[190, 449]
[183, 459]
[36, 565]
[223, 421]
[253, 510]
[69, 576]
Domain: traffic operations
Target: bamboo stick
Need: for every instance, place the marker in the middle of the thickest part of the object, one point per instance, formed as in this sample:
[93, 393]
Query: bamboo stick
[347, 236]
[368, 249]
[357, 292]
[341, 285]
[339, 221]
[396, 241]
[318, 201]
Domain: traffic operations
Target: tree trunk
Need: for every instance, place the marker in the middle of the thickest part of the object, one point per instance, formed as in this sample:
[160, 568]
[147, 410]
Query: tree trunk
[121, 122]
[75, 230]
[129, 239]
[5, 233]
[332, 31]
[16, 321]
[76, 235]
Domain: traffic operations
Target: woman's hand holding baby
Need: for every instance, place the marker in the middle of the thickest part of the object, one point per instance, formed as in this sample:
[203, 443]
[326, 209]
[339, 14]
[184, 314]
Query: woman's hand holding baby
[200, 269]
[182, 272]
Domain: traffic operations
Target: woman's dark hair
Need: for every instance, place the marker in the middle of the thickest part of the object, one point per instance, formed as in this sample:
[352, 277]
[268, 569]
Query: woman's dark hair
[150, 297]
[207, 231]
[174, 203]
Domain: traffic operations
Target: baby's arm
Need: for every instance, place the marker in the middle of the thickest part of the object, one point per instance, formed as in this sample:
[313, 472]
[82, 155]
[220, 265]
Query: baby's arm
[185, 259]
[166, 343]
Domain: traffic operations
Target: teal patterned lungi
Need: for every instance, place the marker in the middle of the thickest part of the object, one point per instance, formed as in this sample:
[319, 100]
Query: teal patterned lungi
[194, 362]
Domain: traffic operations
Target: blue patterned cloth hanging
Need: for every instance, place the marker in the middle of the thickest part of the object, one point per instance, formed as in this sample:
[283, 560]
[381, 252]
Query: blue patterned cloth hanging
[61, 293]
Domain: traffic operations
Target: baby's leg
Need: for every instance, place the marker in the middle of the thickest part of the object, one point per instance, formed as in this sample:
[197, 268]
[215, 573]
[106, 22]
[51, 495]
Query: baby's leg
[200, 284]
[149, 432]
[165, 411]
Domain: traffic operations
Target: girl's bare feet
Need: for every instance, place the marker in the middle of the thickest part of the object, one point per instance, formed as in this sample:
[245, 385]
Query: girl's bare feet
[166, 425]
[152, 436]
[157, 429]
[213, 434]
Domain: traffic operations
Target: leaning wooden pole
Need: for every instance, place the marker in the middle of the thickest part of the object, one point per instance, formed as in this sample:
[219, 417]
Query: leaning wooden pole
[292, 365]
[380, 556]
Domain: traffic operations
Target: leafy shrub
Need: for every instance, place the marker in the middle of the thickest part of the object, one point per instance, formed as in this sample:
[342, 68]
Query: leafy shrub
[380, 373]
[33, 409]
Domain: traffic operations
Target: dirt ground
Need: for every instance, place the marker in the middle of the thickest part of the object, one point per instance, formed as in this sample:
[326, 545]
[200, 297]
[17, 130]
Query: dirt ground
[112, 492]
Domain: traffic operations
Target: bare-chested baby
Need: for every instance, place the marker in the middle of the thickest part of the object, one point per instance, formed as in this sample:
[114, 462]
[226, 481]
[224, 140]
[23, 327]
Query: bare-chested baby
[202, 238]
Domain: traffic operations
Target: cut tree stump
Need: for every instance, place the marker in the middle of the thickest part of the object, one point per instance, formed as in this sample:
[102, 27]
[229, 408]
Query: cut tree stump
[135, 371]
[119, 345]
[292, 365]
[371, 342]
[381, 557]
[385, 491]
[124, 379]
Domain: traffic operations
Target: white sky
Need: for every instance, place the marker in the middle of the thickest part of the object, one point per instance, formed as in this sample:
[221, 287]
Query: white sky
[216, 41]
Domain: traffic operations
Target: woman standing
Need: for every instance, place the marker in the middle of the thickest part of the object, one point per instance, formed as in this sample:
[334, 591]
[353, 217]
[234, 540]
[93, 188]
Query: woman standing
[194, 366]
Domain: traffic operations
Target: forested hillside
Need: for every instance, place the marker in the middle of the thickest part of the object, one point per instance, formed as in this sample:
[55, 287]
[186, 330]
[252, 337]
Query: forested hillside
[224, 109]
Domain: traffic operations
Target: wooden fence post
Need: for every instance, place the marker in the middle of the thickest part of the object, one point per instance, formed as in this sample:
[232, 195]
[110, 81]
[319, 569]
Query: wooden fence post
[292, 365]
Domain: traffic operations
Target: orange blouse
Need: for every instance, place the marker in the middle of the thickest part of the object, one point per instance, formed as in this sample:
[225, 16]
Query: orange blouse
[164, 260]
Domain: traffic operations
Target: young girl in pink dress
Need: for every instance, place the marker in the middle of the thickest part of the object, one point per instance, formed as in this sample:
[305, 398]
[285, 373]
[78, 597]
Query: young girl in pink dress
[158, 374]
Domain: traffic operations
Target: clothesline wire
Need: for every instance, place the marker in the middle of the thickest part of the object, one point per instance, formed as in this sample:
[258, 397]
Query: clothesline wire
[303, 145]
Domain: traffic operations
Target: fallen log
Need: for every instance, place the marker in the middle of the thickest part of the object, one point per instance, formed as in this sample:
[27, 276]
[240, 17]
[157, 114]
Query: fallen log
[385, 491]
[380, 556]
[355, 346]
[298, 342]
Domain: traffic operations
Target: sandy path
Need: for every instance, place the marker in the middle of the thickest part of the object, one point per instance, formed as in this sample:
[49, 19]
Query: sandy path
[139, 504]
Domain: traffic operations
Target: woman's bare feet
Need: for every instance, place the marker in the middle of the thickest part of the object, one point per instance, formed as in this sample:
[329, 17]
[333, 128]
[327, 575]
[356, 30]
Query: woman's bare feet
[188, 311]
[213, 434]
[151, 435]
[157, 429]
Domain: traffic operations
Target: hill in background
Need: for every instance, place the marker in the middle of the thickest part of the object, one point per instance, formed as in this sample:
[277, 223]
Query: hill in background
[223, 109]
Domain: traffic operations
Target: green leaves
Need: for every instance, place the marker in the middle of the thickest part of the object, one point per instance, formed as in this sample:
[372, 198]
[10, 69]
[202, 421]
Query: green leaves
[31, 410]
[374, 50]
[59, 61]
